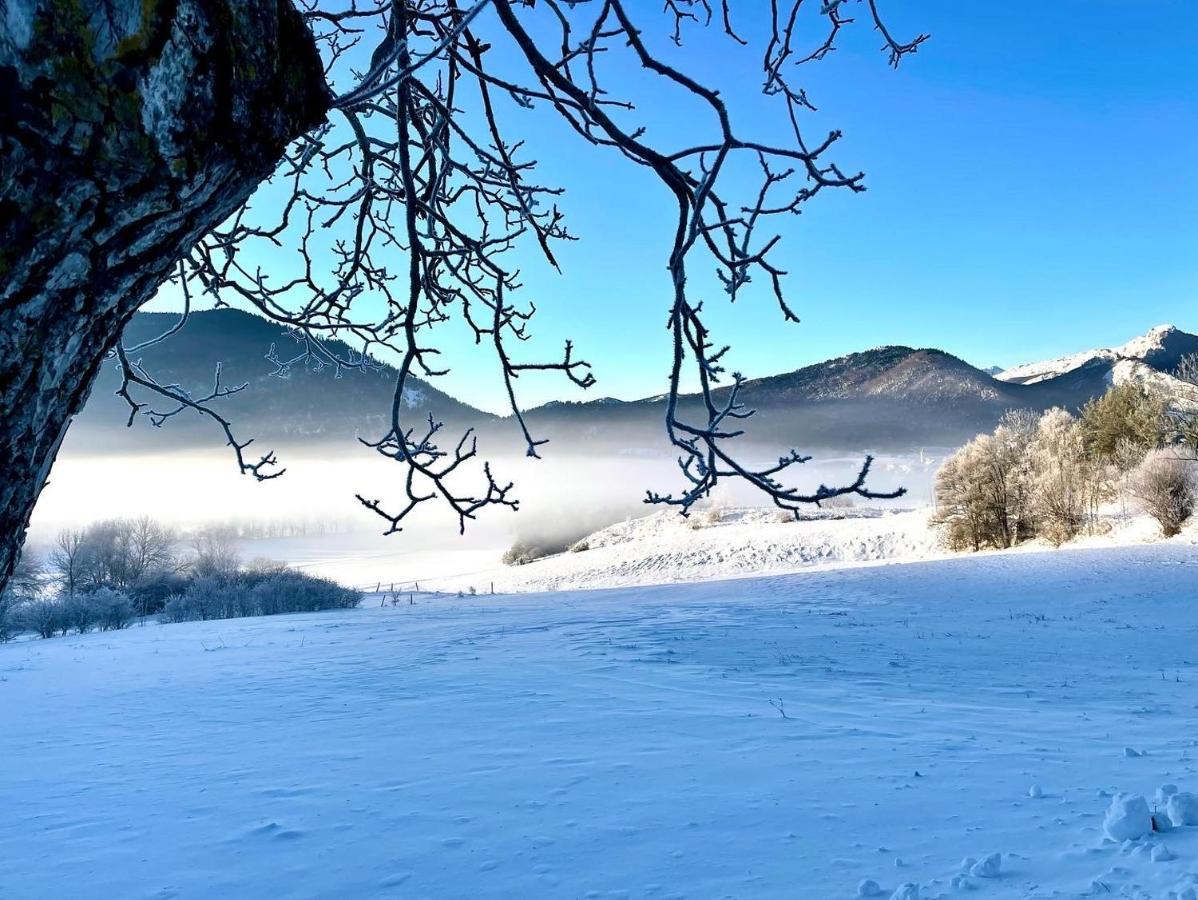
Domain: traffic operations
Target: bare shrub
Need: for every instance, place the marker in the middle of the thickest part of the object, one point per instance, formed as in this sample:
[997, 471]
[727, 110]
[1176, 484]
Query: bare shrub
[216, 553]
[1164, 487]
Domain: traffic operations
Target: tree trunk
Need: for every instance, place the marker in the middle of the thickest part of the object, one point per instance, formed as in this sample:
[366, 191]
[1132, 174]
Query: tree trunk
[128, 128]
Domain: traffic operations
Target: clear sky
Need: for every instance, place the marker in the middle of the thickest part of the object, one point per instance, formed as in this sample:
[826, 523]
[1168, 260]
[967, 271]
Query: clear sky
[1032, 192]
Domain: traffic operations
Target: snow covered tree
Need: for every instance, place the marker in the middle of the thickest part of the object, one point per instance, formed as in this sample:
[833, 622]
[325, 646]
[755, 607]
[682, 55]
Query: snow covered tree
[1061, 471]
[132, 134]
[22, 587]
[117, 553]
[984, 491]
[1127, 414]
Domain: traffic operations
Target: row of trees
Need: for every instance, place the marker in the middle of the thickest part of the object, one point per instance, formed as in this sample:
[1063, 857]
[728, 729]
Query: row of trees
[105, 576]
[1047, 475]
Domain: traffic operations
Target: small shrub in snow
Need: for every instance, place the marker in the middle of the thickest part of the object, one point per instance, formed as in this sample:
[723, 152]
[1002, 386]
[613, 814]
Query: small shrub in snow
[520, 554]
[1164, 487]
[526, 550]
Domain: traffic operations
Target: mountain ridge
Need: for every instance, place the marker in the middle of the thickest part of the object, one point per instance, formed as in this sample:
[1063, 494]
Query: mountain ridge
[894, 396]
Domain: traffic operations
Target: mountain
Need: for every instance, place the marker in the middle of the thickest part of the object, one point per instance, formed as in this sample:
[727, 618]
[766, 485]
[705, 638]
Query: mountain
[888, 398]
[1161, 349]
[304, 403]
[892, 398]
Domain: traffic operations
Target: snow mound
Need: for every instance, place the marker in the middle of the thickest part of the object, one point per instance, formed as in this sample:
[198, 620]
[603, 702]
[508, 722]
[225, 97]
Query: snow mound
[1127, 818]
[1183, 809]
[666, 548]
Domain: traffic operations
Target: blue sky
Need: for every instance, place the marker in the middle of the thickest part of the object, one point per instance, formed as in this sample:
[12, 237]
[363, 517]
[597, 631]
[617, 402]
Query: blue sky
[1032, 192]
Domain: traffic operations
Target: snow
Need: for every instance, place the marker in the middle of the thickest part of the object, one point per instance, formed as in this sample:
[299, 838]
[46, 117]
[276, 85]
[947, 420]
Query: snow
[664, 547]
[989, 867]
[784, 736]
[1182, 395]
[1183, 809]
[1137, 348]
[1127, 818]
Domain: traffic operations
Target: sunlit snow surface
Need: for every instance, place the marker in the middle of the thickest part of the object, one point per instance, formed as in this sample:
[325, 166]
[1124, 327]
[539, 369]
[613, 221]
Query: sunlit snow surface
[789, 736]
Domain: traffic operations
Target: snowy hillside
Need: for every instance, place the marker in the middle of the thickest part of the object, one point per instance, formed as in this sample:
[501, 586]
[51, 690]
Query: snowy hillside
[665, 548]
[1182, 395]
[935, 730]
[1161, 348]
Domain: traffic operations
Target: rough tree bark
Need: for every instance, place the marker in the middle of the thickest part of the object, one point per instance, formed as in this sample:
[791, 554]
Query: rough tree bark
[128, 128]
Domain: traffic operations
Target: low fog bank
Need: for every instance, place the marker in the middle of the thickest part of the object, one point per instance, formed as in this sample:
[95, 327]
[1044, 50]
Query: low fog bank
[310, 517]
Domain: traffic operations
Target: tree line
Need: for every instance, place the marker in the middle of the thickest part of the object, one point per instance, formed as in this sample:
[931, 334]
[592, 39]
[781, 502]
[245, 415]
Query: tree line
[111, 573]
[1046, 476]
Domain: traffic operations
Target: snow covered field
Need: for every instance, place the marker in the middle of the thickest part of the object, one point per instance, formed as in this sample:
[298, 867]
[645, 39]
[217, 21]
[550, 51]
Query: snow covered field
[789, 736]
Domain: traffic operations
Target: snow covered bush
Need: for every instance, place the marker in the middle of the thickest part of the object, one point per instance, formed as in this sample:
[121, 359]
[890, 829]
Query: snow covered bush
[78, 614]
[291, 591]
[42, 615]
[521, 553]
[112, 610]
[262, 592]
[1164, 487]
